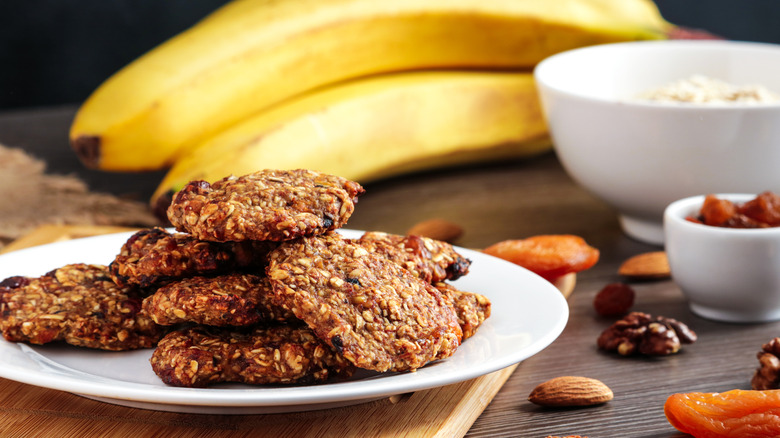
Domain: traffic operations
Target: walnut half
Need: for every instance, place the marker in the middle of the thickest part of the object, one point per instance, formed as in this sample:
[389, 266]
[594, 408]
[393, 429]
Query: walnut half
[767, 376]
[641, 333]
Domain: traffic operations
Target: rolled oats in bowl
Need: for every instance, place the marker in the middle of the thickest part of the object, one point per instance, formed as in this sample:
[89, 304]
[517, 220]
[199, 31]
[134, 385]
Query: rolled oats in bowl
[703, 89]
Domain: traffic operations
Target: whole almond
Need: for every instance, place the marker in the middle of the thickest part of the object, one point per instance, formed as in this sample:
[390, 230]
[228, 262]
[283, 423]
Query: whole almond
[439, 229]
[647, 266]
[571, 391]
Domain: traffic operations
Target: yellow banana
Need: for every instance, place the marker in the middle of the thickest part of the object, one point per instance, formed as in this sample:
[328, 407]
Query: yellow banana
[377, 127]
[252, 54]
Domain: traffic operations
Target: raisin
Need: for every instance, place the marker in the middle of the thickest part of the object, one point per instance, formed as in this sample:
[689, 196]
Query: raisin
[14, 282]
[614, 299]
[337, 343]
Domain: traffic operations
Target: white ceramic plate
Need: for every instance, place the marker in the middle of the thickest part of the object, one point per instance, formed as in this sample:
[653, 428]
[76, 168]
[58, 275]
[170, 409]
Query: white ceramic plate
[528, 313]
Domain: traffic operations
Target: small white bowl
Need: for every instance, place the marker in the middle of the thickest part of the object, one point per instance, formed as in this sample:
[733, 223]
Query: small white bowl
[727, 274]
[639, 156]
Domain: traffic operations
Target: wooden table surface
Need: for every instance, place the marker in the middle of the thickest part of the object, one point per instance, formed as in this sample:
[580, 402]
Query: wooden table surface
[492, 203]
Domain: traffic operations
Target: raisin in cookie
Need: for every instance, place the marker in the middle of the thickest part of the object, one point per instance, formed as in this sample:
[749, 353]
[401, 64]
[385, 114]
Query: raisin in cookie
[267, 205]
[432, 260]
[377, 314]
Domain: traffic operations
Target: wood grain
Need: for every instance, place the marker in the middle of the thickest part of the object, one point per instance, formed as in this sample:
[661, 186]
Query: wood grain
[442, 412]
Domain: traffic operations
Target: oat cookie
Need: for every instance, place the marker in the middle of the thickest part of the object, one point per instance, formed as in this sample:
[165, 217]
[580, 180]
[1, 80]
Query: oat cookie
[471, 308]
[78, 304]
[432, 260]
[267, 205]
[233, 299]
[375, 313]
[200, 356]
[155, 256]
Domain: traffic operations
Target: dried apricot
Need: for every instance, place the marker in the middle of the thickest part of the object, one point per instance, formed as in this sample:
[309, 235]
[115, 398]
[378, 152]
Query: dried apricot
[549, 255]
[761, 212]
[715, 211]
[736, 413]
[764, 209]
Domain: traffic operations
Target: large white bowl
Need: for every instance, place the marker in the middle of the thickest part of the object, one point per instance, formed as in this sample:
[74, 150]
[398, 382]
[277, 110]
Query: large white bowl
[727, 274]
[639, 156]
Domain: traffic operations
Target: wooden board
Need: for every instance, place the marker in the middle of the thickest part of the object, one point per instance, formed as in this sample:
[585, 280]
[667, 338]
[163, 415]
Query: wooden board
[447, 411]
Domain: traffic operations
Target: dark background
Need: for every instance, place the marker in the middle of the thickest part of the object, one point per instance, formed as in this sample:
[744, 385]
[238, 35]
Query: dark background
[55, 52]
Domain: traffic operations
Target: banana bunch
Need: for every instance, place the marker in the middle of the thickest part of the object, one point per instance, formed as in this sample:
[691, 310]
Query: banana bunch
[377, 127]
[363, 88]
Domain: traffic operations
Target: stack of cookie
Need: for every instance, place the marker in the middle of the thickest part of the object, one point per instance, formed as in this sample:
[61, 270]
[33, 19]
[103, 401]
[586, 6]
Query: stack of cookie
[257, 287]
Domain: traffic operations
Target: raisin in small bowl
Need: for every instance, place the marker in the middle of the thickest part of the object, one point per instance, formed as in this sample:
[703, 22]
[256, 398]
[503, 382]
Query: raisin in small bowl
[724, 254]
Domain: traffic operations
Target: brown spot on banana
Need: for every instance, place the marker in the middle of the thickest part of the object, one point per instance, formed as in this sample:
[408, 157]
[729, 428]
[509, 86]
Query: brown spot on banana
[87, 148]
